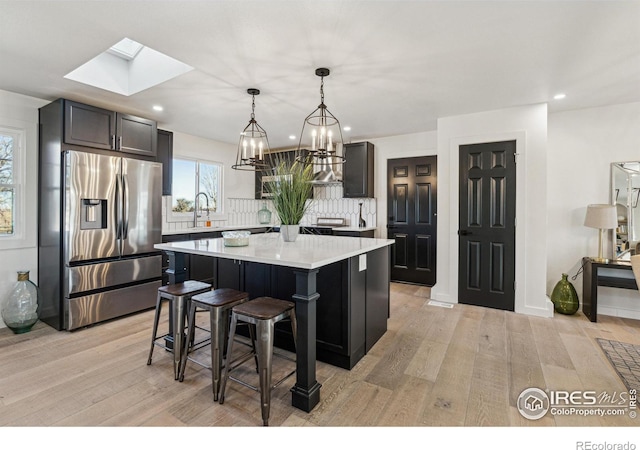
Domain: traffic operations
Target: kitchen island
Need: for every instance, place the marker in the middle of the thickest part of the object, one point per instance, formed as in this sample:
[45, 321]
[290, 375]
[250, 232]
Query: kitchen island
[340, 286]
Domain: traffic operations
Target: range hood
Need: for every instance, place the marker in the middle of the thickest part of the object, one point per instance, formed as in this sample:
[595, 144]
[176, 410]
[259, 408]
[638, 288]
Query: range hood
[327, 173]
[326, 176]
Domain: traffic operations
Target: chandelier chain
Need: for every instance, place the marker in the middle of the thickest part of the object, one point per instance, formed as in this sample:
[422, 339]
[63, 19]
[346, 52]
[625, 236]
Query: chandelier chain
[253, 107]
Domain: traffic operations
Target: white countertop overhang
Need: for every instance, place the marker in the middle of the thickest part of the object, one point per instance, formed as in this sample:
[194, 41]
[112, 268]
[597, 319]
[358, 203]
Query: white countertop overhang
[307, 252]
[196, 230]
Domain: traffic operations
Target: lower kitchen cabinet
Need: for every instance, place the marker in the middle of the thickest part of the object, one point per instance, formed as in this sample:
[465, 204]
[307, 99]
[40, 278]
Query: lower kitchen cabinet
[350, 314]
[165, 256]
[253, 278]
[199, 268]
[367, 233]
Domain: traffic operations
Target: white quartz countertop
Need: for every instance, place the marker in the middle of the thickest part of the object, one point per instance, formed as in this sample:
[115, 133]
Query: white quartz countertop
[307, 252]
[250, 227]
[210, 229]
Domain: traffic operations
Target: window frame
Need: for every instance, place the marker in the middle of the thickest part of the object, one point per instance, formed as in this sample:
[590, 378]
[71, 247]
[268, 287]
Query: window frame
[18, 174]
[188, 216]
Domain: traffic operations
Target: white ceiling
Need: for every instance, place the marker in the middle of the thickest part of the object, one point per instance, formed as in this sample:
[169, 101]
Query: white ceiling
[396, 66]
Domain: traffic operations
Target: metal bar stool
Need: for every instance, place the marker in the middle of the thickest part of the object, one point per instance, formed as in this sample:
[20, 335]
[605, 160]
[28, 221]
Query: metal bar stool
[179, 295]
[264, 313]
[218, 302]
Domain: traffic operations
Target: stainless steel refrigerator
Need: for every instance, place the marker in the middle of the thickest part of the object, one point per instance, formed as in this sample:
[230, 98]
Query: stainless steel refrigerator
[96, 234]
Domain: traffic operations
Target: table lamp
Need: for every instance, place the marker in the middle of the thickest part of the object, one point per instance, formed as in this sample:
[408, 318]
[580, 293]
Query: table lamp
[603, 217]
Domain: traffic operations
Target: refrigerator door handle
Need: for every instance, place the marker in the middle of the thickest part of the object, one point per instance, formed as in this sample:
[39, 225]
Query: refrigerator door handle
[118, 207]
[125, 207]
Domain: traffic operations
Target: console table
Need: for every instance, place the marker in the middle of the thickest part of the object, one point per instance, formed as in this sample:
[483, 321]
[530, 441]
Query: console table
[592, 278]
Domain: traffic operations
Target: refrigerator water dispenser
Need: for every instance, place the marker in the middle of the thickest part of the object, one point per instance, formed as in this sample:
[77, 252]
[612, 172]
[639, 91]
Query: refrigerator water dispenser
[94, 214]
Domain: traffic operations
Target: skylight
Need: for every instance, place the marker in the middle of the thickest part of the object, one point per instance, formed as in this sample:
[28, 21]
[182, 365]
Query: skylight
[127, 68]
[126, 49]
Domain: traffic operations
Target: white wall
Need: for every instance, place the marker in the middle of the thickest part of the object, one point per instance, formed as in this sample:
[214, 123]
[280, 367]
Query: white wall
[582, 145]
[526, 125]
[21, 112]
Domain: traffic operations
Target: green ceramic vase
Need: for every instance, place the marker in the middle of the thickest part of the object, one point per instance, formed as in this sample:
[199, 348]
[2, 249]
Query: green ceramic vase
[565, 297]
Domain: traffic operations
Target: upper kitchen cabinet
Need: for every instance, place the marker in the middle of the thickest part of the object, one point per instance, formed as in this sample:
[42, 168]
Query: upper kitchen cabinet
[136, 135]
[357, 171]
[90, 126]
[165, 156]
[266, 174]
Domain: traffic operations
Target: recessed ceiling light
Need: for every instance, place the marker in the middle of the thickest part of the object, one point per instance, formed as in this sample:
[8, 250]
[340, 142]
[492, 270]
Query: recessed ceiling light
[347, 128]
[292, 137]
[559, 96]
[158, 108]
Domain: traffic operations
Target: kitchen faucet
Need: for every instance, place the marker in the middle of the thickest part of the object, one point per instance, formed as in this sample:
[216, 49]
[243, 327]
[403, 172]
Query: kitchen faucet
[195, 208]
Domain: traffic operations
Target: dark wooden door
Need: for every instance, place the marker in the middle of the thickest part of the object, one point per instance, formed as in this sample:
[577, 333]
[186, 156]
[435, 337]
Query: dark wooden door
[486, 269]
[412, 209]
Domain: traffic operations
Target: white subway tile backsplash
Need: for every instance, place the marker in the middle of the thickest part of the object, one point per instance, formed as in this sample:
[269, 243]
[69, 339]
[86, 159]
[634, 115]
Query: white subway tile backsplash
[327, 202]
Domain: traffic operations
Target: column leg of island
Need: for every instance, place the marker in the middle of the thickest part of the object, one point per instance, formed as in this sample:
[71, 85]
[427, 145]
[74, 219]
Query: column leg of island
[305, 394]
[177, 273]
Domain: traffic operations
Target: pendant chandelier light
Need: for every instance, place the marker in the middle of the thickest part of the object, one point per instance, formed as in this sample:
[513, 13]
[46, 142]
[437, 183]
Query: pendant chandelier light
[253, 148]
[321, 138]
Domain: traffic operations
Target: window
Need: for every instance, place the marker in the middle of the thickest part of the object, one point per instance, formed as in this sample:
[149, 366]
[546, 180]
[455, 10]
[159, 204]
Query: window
[192, 177]
[10, 188]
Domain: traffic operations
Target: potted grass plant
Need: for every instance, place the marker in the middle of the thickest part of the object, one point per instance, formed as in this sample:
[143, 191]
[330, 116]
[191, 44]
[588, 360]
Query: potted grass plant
[290, 192]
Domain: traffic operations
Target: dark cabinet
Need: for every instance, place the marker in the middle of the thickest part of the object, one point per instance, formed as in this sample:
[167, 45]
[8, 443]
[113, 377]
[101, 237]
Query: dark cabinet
[367, 233]
[90, 126]
[136, 135]
[357, 171]
[202, 268]
[247, 276]
[351, 311]
[165, 256]
[288, 156]
[165, 156]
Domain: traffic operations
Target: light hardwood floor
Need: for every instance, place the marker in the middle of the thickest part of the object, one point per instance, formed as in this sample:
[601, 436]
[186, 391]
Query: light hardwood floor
[463, 366]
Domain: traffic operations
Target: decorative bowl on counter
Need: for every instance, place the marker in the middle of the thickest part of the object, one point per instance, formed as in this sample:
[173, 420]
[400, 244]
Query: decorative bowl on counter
[236, 238]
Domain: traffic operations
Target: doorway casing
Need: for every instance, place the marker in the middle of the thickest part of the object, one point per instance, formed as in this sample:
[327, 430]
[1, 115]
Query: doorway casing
[527, 301]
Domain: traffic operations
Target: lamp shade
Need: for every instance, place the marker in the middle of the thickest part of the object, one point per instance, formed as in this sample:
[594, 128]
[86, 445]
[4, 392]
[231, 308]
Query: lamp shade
[601, 216]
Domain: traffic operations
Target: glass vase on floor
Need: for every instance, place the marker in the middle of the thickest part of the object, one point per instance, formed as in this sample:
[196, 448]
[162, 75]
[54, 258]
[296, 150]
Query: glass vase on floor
[565, 297]
[20, 307]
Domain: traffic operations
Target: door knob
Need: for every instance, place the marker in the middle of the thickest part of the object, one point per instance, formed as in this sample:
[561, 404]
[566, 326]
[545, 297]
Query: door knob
[464, 232]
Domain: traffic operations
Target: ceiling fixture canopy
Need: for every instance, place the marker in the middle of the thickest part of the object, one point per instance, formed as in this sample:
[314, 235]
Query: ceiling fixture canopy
[253, 148]
[321, 139]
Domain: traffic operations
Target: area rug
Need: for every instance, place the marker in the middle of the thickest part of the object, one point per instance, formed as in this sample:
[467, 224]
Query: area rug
[625, 359]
